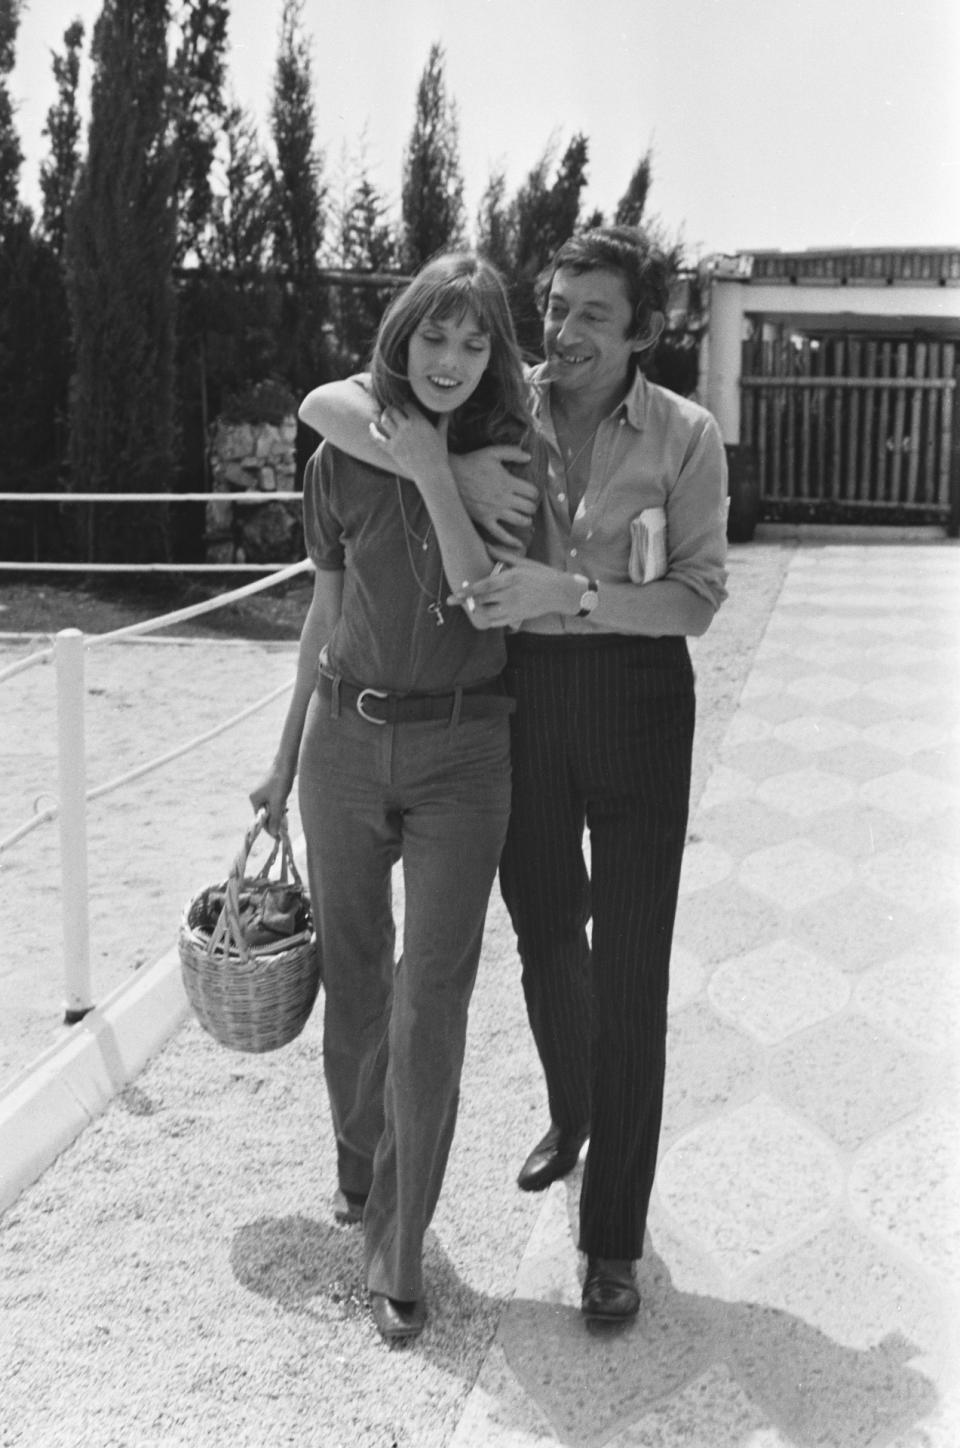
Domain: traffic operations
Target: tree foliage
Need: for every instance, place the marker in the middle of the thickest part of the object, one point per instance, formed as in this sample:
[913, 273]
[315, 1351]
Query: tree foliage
[197, 108]
[367, 245]
[298, 201]
[240, 223]
[298, 190]
[432, 195]
[545, 213]
[58, 173]
[32, 329]
[187, 256]
[121, 242]
[495, 224]
[11, 153]
[239, 295]
[46, 353]
[230, 310]
[631, 205]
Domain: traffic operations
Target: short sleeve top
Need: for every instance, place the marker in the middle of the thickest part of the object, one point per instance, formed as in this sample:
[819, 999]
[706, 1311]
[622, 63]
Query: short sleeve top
[376, 528]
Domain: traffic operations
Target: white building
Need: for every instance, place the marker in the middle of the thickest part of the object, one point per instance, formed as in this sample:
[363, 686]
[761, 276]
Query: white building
[838, 370]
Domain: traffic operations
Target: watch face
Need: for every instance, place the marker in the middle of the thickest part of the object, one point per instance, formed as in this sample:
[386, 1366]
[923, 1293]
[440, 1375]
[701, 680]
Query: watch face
[588, 601]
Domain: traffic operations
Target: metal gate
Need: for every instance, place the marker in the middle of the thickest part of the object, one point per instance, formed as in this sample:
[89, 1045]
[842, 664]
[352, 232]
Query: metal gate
[852, 425]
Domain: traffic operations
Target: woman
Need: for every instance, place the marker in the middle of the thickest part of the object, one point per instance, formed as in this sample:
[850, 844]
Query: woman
[400, 723]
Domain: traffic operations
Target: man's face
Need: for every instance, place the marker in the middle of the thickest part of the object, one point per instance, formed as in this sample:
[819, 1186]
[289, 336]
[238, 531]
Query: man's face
[585, 332]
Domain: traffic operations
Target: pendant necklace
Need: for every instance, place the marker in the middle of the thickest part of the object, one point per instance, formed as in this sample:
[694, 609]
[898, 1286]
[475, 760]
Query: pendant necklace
[569, 460]
[434, 606]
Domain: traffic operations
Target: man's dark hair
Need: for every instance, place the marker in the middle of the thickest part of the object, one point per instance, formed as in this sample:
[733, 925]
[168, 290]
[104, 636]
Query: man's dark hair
[620, 249]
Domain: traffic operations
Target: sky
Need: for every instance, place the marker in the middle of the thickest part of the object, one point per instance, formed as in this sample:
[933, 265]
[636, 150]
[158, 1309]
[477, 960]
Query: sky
[773, 123]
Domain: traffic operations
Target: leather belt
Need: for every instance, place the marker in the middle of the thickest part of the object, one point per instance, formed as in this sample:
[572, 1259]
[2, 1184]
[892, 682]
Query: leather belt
[377, 706]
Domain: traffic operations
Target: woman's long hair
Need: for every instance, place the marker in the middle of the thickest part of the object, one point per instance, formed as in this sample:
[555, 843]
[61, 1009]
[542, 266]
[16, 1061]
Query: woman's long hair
[449, 286]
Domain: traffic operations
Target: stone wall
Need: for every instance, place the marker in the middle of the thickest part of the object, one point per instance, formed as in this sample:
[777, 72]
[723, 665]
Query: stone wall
[260, 457]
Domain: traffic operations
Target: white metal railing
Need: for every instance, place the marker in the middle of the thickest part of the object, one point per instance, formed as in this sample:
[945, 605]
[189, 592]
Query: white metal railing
[250, 497]
[70, 805]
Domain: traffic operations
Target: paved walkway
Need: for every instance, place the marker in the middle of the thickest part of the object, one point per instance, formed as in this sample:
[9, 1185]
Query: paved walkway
[801, 1283]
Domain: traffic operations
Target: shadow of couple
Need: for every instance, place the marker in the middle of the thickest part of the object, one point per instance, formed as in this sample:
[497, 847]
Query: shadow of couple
[731, 1366]
[732, 1370]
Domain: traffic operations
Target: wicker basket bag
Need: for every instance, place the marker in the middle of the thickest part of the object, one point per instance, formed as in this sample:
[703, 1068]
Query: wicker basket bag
[248, 952]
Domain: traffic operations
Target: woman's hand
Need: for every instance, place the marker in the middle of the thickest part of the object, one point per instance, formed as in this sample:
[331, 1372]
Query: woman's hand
[516, 590]
[410, 442]
[272, 795]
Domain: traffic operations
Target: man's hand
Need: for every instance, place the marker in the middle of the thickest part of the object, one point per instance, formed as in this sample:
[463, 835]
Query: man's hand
[494, 498]
[518, 589]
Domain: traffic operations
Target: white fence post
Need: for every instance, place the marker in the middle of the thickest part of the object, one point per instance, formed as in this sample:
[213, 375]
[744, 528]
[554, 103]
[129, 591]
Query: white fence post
[73, 824]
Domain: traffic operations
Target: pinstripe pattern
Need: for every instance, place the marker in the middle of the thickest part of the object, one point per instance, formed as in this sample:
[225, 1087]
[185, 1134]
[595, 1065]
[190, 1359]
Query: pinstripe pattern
[602, 737]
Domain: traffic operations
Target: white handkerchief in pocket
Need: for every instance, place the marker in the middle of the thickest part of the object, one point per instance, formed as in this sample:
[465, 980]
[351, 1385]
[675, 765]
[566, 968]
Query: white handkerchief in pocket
[648, 545]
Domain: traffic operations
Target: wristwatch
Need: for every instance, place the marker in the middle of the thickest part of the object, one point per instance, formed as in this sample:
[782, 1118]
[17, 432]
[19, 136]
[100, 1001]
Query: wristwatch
[589, 597]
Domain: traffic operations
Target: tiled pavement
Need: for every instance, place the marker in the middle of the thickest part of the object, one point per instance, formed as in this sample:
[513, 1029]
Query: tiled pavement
[801, 1283]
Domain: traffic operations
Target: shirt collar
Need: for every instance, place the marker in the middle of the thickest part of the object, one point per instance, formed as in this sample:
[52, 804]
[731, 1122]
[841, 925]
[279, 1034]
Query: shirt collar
[633, 407]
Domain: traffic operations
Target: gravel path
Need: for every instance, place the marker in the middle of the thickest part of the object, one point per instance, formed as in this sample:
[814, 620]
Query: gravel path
[176, 1278]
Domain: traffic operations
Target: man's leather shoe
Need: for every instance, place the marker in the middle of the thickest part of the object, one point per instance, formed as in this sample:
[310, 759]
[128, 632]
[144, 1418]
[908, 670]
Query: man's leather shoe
[348, 1207]
[610, 1291]
[397, 1320]
[551, 1159]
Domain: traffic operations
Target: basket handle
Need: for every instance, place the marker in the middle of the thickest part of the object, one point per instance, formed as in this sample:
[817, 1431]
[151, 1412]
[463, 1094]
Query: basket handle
[228, 930]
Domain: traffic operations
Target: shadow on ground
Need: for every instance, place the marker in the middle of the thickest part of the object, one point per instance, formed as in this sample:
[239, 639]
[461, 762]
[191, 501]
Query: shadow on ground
[316, 1269]
[821, 1393]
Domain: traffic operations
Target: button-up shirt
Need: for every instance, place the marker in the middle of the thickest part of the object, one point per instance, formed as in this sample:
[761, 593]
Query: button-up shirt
[655, 450]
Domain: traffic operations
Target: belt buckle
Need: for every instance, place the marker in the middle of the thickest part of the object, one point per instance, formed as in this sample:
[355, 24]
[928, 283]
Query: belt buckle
[375, 694]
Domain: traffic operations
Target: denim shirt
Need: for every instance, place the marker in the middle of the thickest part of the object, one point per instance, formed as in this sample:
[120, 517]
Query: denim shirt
[655, 450]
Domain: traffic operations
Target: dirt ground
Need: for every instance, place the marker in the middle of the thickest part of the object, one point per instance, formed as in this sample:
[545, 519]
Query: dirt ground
[49, 602]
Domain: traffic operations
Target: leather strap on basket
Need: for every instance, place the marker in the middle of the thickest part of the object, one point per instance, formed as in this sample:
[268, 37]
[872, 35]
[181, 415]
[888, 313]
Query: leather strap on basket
[228, 931]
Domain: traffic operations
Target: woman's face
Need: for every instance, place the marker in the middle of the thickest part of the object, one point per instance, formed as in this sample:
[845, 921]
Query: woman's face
[446, 359]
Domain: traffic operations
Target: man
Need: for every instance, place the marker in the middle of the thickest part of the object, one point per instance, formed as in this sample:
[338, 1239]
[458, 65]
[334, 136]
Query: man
[602, 736]
[603, 731]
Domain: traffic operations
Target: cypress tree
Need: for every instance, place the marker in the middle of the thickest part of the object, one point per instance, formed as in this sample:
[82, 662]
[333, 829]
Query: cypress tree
[241, 218]
[19, 256]
[198, 108]
[298, 190]
[121, 242]
[631, 205]
[544, 216]
[11, 154]
[58, 174]
[495, 225]
[432, 196]
[298, 198]
[243, 311]
[368, 243]
[39, 318]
